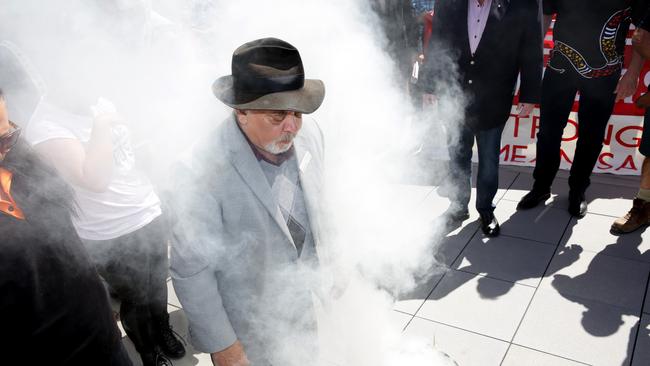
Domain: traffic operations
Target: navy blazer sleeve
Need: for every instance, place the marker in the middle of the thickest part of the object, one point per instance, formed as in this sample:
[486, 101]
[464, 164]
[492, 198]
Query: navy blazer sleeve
[531, 56]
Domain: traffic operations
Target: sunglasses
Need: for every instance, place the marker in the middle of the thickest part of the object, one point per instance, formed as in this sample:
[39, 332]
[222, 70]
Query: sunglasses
[9, 139]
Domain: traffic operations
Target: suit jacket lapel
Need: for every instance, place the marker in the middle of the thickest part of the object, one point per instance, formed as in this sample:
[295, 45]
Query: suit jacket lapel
[310, 178]
[249, 169]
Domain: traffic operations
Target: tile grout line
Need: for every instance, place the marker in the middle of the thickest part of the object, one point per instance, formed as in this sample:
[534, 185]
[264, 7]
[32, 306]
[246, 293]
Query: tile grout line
[462, 329]
[455, 258]
[638, 328]
[551, 205]
[534, 293]
[442, 277]
[551, 354]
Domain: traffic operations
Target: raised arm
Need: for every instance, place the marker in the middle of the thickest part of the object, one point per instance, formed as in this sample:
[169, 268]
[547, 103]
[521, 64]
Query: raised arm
[89, 167]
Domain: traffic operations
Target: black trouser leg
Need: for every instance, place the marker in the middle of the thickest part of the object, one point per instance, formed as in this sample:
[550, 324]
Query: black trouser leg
[135, 266]
[558, 95]
[460, 145]
[596, 107]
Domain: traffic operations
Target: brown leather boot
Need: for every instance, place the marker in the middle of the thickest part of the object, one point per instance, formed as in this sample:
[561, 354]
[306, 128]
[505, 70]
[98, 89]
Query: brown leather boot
[638, 217]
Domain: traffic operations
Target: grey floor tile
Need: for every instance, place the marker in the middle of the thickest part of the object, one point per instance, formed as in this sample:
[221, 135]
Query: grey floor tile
[585, 331]
[450, 247]
[506, 258]
[411, 193]
[480, 304]
[399, 320]
[646, 305]
[599, 277]
[524, 183]
[171, 295]
[521, 356]
[611, 200]
[506, 179]
[545, 224]
[592, 234]
[466, 348]
[410, 301]
[641, 355]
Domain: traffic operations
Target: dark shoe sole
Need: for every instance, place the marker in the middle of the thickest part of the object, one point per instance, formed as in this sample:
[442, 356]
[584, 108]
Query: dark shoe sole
[577, 213]
[615, 231]
[492, 234]
[532, 203]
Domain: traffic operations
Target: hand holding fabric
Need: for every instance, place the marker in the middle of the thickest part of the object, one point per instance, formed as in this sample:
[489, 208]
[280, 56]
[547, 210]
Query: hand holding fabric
[626, 85]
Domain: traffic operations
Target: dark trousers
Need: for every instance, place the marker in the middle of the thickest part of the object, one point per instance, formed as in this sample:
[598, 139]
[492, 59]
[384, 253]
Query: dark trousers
[460, 167]
[135, 266]
[596, 107]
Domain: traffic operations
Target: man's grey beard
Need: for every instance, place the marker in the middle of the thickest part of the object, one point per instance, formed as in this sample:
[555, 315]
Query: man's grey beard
[275, 148]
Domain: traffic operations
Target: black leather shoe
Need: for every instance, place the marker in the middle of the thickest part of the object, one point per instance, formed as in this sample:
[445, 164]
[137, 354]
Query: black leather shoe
[533, 198]
[490, 225]
[168, 340]
[155, 359]
[577, 205]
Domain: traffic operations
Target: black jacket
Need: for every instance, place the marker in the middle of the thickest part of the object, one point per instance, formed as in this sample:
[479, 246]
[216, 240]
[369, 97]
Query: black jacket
[53, 307]
[511, 43]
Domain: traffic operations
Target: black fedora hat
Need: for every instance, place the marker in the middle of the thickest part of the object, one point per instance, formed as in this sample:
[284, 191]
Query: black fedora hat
[268, 74]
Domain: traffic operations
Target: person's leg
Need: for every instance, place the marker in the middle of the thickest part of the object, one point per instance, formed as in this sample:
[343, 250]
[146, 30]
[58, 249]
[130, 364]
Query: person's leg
[125, 268]
[153, 240]
[460, 145]
[645, 174]
[596, 106]
[644, 149]
[489, 146]
[558, 95]
[639, 215]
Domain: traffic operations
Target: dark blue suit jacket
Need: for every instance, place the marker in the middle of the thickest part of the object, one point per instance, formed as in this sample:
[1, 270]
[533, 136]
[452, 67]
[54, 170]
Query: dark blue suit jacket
[511, 44]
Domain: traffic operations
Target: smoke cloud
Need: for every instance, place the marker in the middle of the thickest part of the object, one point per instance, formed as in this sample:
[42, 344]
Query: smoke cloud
[157, 68]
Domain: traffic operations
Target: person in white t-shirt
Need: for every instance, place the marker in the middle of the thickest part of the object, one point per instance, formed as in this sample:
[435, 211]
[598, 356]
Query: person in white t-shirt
[120, 218]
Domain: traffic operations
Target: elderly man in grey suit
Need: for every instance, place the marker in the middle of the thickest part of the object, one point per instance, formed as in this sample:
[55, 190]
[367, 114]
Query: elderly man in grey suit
[244, 257]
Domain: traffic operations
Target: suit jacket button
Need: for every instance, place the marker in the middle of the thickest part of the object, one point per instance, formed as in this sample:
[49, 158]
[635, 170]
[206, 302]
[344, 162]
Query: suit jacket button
[469, 81]
[472, 62]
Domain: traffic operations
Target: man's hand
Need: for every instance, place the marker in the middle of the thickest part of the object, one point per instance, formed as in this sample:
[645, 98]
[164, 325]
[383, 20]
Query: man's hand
[231, 356]
[428, 100]
[626, 85]
[525, 109]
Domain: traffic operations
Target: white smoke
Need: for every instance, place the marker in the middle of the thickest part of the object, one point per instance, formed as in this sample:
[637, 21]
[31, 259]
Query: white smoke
[165, 63]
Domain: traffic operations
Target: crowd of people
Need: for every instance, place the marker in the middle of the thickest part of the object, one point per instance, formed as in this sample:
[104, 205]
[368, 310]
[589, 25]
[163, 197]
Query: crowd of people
[82, 222]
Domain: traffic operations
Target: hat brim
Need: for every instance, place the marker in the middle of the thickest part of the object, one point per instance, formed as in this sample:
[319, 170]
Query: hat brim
[305, 100]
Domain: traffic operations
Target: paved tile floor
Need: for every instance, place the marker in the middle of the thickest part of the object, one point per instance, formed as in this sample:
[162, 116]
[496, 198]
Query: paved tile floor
[551, 290]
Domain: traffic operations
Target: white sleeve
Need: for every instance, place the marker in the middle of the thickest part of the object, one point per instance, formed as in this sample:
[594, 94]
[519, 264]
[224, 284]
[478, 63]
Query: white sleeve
[41, 130]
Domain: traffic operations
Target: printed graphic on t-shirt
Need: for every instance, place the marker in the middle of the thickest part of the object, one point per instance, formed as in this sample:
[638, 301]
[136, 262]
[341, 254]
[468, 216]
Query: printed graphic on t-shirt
[613, 60]
[123, 155]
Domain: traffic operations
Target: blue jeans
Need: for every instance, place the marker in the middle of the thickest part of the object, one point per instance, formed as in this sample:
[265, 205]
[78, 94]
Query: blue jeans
[460, 167]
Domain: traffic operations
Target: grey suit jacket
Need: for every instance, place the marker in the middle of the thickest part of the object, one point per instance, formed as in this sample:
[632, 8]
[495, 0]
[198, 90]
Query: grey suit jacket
[234, 265]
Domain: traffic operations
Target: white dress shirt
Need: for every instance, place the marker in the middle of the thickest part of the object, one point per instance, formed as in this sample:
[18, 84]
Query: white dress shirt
[477, 16]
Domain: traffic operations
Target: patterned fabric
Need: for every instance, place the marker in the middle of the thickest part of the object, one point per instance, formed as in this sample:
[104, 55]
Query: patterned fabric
[589, 35]
[284, 181]
[421, 6]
